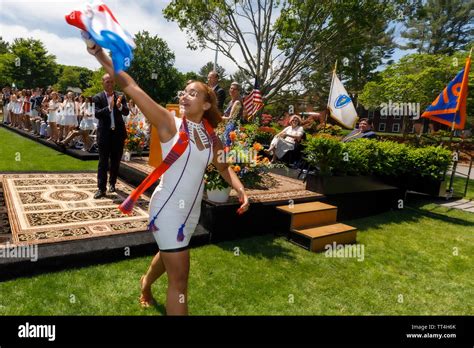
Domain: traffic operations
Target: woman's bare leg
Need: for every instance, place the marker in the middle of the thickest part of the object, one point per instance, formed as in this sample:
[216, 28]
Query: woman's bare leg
[156, 269]
[177, 268]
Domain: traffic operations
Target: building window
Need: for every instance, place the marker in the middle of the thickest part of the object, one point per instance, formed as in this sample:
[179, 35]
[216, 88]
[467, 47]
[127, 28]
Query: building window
[396, 127]
[381, 127]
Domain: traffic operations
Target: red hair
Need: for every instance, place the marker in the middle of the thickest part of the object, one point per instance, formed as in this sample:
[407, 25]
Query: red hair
[212, 115]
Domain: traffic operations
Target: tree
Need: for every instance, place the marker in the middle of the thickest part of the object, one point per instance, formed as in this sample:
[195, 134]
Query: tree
[278, 40]
[152, 68]
[3, 46]
[361, 43]
[95, 83]
[208, 67]
[73, 76]
[440, 26]
[416, 78]
[31, 65]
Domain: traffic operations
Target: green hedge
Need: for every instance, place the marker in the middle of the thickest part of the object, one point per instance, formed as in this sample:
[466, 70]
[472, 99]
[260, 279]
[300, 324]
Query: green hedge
[372, 157]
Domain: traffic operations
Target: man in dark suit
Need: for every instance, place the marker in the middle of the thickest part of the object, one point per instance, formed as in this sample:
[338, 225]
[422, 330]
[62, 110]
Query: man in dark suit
[111, 133]
[364, 131]
[213, 82]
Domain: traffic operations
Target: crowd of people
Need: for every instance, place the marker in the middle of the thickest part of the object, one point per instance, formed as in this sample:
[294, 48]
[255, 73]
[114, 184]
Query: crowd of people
[65, 119]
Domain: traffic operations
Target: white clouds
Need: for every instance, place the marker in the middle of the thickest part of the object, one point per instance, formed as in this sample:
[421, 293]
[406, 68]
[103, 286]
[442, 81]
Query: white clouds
[44, 20]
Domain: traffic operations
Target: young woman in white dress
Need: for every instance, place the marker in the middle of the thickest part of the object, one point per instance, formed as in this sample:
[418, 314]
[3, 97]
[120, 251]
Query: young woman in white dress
[53, 116]
[69, 113]
[181, 183]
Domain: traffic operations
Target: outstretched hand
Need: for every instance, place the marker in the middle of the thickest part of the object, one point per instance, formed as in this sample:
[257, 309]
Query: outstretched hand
[92, 47]
[244, 200]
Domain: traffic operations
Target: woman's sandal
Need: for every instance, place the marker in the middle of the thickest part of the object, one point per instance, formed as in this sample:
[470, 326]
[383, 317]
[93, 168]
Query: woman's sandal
[144, 301]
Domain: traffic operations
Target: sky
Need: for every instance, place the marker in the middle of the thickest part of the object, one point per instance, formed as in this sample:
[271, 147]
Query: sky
[44, 20]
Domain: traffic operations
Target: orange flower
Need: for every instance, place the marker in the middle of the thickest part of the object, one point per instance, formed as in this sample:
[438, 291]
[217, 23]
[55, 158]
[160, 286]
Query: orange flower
[257, 146]
[236, 169]
[265, 160]
[232, 136]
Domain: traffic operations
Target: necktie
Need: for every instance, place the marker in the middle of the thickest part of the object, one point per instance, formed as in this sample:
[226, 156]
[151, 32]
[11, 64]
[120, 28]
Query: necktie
[112, 120]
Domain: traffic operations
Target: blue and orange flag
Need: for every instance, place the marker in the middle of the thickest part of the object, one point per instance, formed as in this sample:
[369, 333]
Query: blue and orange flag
[449, 107]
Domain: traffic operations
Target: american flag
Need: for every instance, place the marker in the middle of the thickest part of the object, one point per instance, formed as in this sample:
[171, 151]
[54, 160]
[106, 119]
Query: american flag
[253, 102]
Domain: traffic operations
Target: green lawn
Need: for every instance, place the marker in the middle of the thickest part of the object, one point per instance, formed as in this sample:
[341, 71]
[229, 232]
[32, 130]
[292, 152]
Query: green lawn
[417, 261]
[410, 267]
[18, 154]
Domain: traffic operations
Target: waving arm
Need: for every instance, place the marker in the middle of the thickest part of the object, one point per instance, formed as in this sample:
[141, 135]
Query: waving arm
[158, 116]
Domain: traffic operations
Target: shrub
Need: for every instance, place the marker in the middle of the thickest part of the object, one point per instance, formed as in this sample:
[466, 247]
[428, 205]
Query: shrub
[372, 157]
[325, 151]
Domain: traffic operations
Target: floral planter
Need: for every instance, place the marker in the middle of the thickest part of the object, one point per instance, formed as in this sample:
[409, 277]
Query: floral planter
[127, 155]
[219, 196]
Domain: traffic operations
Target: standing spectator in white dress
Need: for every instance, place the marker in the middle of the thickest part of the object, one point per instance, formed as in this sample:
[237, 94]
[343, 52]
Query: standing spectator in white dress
[16, 109]
[54, 116]
[69, 113]
[286, 140]
[133, 116]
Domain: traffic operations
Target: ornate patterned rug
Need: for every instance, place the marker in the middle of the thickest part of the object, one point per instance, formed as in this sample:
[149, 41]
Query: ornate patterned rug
[48, 208]
[5, 231]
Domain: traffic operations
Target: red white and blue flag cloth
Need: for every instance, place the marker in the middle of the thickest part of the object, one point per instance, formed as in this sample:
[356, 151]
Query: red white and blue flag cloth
[98, 21]
[449, 108]
[253, 102]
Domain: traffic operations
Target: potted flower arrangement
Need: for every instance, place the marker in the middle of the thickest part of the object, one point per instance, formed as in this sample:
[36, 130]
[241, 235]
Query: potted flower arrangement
[135, 141]
[242, 156]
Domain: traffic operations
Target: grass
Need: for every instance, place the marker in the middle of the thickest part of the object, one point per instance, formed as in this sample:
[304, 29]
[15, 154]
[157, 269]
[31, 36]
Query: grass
[19, 154]
[409, 268]
[417, 261]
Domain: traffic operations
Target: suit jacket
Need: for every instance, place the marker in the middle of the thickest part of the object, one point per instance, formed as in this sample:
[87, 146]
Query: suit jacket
[102, 113]
[356, 134]
[220, 93]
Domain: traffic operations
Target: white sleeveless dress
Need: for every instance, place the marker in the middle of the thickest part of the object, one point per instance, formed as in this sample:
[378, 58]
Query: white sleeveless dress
[182, 197]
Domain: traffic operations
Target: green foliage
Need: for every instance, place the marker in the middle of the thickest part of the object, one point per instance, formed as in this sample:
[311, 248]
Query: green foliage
[417, 78]
[213, 180]
[33, 58]
[73, 76]
[95, 83]
[324, 151]
[430, 161]
[152, 55]
[364, 40]
[207, 68]
[3, 46]
[371, 157]
[440, 26]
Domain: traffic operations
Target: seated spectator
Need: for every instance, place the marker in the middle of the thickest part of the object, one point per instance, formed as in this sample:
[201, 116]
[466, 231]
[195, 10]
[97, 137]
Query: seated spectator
[364, 131]
[286, 140]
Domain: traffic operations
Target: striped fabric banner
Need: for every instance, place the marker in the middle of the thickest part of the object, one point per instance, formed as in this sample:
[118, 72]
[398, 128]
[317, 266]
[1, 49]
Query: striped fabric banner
[253, 102]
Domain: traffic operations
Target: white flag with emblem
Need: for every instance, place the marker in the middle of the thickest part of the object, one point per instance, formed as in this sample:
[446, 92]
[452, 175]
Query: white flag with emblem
[340, 104]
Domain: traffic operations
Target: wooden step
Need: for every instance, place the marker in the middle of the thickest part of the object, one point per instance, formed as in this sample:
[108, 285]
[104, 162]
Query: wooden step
[311, 214]
[316, 238]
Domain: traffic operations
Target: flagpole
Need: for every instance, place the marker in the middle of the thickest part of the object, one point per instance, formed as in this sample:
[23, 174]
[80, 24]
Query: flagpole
[453, 170]
[329, 98]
